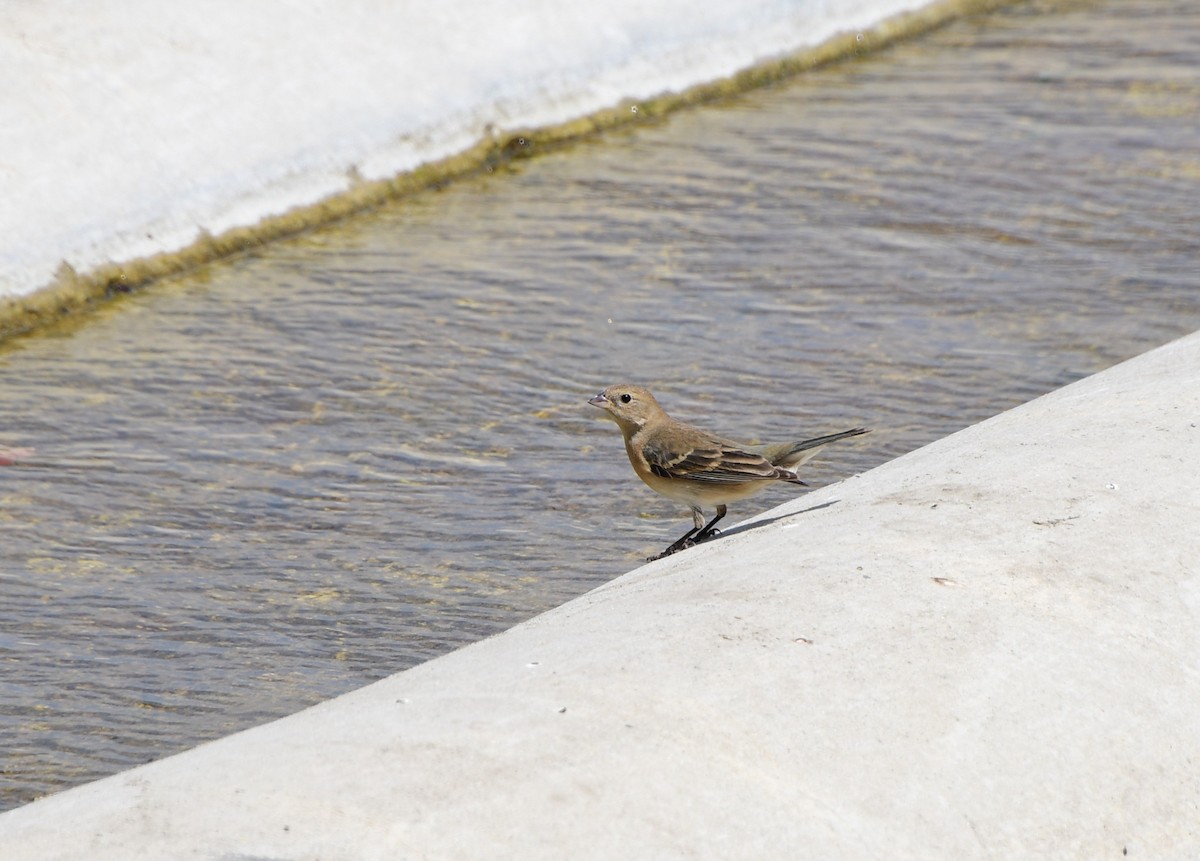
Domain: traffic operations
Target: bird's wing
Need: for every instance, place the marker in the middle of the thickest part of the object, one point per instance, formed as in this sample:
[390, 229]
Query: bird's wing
[712, 460]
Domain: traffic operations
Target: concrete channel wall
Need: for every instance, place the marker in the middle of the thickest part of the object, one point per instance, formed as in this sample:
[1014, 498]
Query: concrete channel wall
[141, 140]
[988, 648]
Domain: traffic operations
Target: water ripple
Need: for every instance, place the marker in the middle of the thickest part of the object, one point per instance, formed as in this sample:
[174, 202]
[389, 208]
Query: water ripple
[283, 477]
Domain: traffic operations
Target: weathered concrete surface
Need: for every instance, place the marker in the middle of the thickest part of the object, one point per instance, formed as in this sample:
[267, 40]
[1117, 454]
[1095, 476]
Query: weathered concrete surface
[139, 139]
[989, 648]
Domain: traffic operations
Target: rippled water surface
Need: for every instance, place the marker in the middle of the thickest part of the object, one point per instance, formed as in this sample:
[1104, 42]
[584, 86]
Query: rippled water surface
[286, 476]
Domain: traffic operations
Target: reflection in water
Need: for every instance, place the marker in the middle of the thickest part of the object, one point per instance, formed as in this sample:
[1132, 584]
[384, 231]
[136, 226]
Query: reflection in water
[289, 475]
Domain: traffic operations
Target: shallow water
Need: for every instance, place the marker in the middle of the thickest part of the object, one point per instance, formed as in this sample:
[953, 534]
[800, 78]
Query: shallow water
[285, 476]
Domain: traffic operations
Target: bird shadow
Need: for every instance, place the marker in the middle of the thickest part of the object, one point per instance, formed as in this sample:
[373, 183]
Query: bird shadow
[747, 527]
[744, 527]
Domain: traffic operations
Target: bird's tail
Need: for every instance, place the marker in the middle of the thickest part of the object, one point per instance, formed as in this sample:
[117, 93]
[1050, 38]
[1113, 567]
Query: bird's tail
[794, 454]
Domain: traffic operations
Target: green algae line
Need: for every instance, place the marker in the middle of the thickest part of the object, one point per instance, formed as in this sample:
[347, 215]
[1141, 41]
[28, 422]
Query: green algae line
[71, 292]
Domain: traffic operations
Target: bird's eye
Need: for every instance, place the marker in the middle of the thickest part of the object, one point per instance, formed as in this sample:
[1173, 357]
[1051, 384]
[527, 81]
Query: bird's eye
[626, 398]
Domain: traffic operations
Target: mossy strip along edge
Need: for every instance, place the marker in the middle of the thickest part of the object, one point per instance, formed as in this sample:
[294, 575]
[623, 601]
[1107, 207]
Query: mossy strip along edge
[71, 293]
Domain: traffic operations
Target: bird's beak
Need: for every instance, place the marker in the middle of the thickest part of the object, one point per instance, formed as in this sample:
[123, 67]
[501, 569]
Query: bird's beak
[600, 401]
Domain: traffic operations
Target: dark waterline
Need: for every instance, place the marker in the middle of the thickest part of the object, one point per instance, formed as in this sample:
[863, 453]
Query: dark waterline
[286, 476]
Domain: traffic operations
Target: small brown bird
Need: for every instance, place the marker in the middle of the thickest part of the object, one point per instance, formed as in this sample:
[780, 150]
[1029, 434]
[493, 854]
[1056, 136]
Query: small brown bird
[695, 467]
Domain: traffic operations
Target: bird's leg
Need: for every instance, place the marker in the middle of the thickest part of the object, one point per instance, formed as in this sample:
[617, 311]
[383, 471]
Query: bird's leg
[710, 530]
[682, 544]
[700, 532]
[688, 539]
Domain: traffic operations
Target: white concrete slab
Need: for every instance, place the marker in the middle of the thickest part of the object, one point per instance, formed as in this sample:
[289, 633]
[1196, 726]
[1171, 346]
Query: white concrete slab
[134, 128]
[989, 648]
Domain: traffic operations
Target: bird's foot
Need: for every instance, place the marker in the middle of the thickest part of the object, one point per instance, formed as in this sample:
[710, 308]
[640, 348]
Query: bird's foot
[683, 544]
[706, 536]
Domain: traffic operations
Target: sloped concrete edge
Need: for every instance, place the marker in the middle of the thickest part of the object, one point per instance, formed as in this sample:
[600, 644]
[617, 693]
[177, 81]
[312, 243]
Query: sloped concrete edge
[987, 648]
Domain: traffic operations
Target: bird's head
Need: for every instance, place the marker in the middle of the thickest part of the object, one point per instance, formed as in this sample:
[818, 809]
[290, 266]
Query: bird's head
[628, 405]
